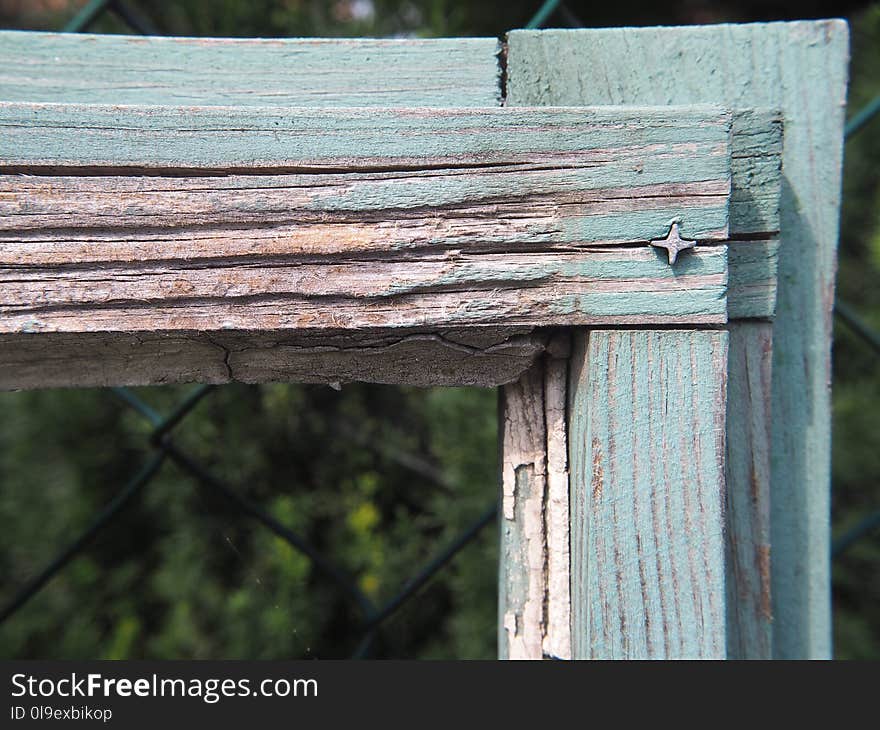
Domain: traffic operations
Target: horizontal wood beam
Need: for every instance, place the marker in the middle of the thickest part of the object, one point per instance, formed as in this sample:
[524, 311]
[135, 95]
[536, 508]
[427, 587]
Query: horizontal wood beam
[156, 222]
[118, 69]
[530, 205]
[617, 147]
[629, 286]
[476, 356]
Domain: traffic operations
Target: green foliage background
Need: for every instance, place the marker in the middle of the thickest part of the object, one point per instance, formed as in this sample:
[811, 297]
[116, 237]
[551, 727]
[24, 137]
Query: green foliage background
[179, 574]
[378, 478]
[856, 385]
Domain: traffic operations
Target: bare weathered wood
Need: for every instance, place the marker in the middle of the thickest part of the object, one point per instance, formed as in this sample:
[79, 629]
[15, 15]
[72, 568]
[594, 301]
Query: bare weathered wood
[577, 202]
[646, 438]
[523, 582]
[534, 603]
[479, 356]
[603, 287]
[318, 72]
[557, 517]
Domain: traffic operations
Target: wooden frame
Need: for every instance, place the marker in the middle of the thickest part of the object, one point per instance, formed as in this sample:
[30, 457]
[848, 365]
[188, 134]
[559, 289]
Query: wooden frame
[338, 225]
[776, 585]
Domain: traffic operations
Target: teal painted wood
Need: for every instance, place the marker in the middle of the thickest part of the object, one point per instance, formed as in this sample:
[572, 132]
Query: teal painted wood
[118, 70]
[753, 279]
[650, 147]
[800, 69]
[513, 207]
[747, 476]
[477, 201]
[113, 69]
[756, 173]
[646, 445]
[464, 165]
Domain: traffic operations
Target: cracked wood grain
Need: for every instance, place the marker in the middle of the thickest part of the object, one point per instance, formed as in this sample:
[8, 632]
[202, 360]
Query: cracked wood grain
[126, 219]
[523, 579]
[557, 517]
[607, 148]
[159, 220]
[45, 218]
[630, 285]
[478, 356]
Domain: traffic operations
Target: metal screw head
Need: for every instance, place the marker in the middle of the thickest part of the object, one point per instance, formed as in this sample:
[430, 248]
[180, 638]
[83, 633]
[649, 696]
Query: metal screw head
[673, 243]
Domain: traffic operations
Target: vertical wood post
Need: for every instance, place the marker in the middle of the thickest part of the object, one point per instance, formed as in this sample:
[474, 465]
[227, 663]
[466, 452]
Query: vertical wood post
[534, 601]
[642, 417]
[798, 68]
[646, 427]
[523, 491]
[747, 476]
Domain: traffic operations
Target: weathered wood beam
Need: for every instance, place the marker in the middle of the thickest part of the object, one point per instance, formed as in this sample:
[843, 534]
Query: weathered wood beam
[493, 204]
[479, 356]
[489, 193]
[151, 221]
[617, 148]
[258, 294]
